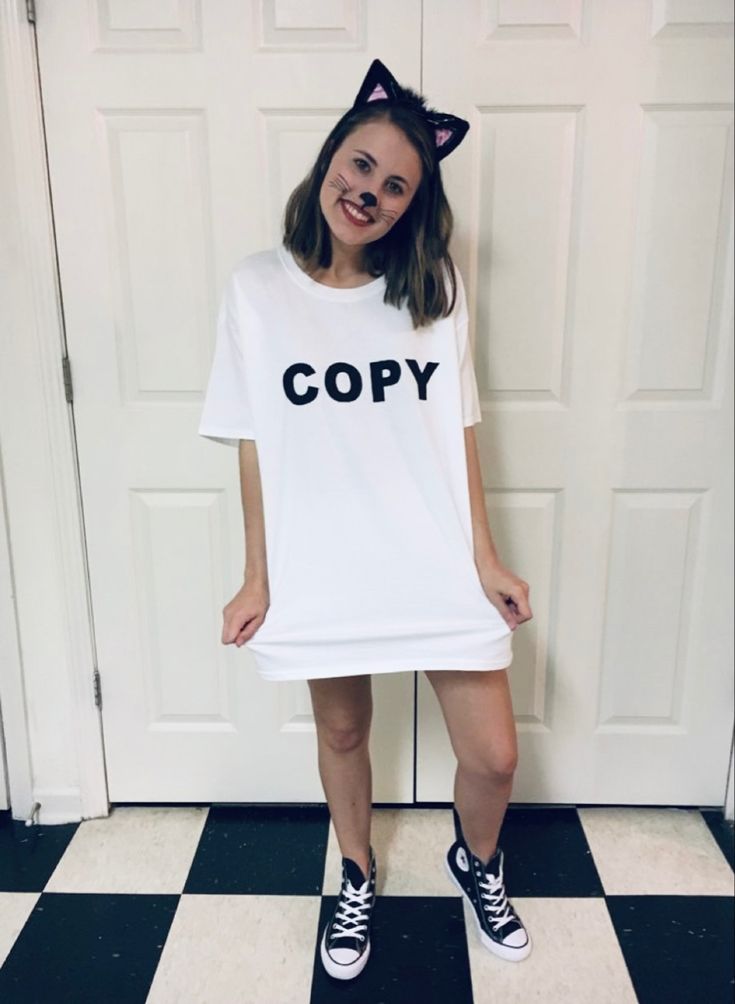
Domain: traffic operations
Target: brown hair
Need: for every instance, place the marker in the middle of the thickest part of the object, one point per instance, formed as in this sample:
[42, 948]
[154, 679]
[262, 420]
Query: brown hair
[414, 253]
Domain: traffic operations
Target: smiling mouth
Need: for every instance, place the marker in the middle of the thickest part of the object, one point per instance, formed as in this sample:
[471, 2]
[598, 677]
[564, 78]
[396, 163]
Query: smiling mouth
[355, 212]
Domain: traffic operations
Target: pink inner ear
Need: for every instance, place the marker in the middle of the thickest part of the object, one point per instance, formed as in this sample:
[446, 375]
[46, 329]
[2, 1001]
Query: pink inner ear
[378, 93]
[442, 135]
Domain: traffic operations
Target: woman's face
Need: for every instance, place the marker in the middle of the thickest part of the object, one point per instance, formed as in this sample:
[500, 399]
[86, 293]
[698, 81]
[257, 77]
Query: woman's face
[375, 171]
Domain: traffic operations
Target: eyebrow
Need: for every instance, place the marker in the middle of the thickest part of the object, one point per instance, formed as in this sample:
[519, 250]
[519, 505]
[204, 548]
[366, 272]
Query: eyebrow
[374, 162]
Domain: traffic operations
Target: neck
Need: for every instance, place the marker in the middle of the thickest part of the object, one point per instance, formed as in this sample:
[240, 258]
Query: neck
[347, 261]
[347, 266]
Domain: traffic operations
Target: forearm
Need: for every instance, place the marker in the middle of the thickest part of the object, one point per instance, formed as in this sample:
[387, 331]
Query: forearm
[483, 545]
[256, 568]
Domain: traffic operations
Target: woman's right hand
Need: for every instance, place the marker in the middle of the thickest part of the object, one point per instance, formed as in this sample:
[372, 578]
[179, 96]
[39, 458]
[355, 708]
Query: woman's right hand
[245, 612]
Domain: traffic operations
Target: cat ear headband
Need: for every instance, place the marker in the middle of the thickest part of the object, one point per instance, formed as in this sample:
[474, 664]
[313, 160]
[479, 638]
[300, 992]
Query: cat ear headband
[380, 85]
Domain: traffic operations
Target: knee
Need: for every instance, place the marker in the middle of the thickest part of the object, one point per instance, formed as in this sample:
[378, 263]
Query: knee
[343, 738]
[506, 766]
[496, 765]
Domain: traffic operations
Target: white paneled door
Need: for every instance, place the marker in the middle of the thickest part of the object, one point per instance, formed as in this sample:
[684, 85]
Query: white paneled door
[176, 132]
[596, 215]
[593, 223]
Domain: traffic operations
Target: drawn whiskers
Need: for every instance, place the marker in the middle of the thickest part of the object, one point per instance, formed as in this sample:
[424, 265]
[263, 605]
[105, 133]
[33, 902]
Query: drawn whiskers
[386, 215]
[339, 183]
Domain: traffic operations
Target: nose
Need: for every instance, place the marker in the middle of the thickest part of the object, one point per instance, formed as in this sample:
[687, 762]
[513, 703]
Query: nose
[368, 199]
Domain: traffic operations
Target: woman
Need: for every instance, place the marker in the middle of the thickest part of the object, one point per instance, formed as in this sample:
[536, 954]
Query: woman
[344, 355]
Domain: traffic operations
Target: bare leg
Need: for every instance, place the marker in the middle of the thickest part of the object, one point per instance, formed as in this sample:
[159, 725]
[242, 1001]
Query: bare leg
[478, 711]
[481, 802]
[343, 709]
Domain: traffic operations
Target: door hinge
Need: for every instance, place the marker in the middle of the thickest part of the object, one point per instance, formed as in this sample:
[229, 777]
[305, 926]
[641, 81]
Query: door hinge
[68, 389]
[97, 688]
[31, 11]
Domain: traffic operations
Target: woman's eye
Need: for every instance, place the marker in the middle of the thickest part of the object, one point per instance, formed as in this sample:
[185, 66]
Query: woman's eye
[397, 189]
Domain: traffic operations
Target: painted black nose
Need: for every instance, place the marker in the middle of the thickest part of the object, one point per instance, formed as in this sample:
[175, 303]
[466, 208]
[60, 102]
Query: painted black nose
[368, 199]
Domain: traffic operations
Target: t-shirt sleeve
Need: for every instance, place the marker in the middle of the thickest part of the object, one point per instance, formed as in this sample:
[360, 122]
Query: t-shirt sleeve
[226, 416]
[471, 412]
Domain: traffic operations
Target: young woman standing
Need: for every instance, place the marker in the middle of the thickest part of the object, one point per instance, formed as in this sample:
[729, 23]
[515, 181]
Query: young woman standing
[343, 372]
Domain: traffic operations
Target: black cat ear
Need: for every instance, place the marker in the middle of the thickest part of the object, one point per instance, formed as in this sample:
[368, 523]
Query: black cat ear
[449, 131]
[379, 85]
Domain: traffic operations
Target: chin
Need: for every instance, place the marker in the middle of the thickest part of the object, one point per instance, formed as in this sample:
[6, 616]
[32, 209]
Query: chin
[352, 239]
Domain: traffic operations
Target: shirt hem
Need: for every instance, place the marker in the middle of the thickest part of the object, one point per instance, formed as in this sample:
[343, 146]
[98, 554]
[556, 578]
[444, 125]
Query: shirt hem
[382, 666]
[229, 435]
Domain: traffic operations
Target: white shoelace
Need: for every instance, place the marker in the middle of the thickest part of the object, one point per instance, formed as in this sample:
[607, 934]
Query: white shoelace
[498, 901]
[354, 915]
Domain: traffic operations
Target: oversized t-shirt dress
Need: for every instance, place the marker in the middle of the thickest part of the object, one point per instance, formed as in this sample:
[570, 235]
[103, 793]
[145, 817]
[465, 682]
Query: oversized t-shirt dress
[358, 422]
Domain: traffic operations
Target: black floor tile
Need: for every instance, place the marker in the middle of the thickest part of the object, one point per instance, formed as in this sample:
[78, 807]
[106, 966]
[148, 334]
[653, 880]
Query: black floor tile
[418, 954]
[263, 850]
[546, 854]
[29, 854]
[79, 948]
[677, 948]
[723, 831]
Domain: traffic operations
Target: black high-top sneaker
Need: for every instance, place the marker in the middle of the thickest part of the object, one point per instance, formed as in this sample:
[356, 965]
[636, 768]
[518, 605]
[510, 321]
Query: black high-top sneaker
[345, 944]
[481, 883]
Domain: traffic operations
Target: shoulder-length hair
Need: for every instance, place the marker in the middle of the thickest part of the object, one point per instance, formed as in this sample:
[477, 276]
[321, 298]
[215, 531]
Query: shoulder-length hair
[413, 255]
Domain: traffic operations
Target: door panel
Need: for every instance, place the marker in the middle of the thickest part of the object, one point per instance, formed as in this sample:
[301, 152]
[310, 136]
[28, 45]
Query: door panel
[594, 216]
[176, 133]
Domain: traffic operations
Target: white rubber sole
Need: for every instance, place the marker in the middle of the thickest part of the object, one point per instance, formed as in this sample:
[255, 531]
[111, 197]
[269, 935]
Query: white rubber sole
[502, 951]
[342, 972]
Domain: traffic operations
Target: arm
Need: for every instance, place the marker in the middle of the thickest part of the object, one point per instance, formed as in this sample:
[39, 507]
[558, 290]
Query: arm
[246, 611]
[256, 569]
[485, 553]
[506, 591]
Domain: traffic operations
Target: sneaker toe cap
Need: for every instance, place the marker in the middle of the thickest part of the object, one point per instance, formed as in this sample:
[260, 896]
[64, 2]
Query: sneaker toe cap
[516, 939]
[344, 956]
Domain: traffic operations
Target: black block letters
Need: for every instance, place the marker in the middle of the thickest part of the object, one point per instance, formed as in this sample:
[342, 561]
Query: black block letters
[384, 373]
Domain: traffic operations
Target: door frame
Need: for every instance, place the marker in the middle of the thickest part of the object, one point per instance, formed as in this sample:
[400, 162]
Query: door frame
[52, 727]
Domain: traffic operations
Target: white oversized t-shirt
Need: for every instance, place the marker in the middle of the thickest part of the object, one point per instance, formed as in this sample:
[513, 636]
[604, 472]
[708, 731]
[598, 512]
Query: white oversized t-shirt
[358, 422]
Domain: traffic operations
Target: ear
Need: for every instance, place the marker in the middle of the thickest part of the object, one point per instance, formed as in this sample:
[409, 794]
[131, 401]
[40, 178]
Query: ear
[379, 85]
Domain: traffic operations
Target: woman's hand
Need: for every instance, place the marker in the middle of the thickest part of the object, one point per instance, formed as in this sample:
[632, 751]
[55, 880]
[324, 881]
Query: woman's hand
[245, 612]
[507, 592]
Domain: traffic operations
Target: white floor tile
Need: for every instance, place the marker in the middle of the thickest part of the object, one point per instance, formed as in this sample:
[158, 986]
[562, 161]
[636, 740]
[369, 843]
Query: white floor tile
[575, 959]
[238, 950]
[664, 851]
[136, 849]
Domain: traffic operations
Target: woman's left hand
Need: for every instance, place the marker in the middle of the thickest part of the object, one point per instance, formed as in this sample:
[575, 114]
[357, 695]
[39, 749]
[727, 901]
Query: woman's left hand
[507, 592]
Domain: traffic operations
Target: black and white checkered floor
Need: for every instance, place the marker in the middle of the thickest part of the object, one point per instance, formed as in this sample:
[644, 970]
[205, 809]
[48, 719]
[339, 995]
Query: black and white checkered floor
[225, 903]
